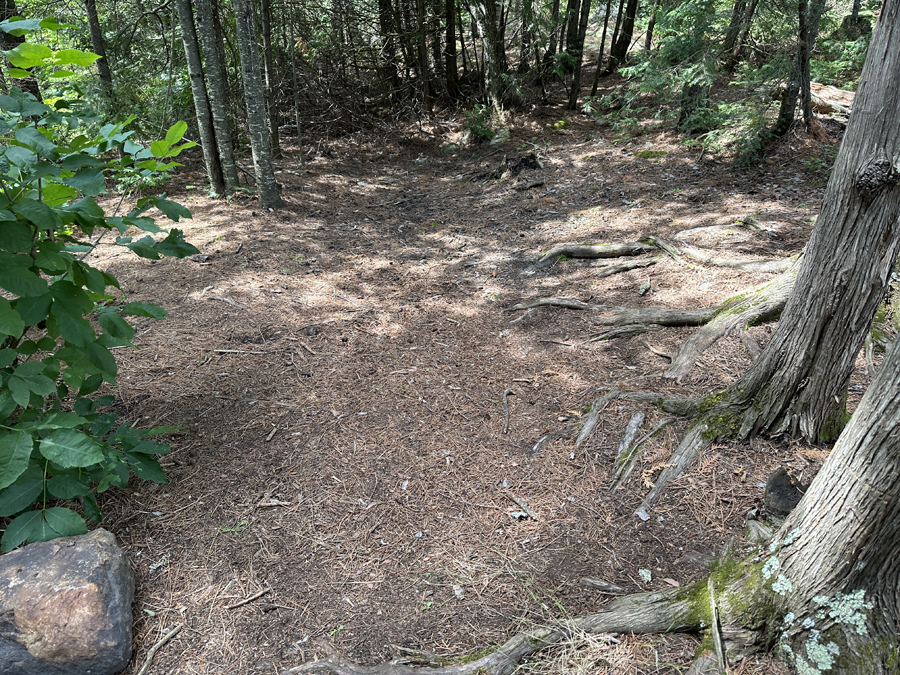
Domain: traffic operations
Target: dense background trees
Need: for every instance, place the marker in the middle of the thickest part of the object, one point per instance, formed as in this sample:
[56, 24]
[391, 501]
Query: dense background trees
[730, 74]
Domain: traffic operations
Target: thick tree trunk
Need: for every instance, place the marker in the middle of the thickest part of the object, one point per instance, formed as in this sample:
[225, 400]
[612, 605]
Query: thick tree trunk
[98, 44]
[254, 98]
[216, 83]
[201, 101]
[577, 51]
[798, 384]
[422, 51]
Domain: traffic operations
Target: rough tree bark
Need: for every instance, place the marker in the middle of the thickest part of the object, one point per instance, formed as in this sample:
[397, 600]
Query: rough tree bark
[216, 83]
[799, 383]
[619, 49]
[577, 51]
[201, 100]
[245, 27]
[98, 44]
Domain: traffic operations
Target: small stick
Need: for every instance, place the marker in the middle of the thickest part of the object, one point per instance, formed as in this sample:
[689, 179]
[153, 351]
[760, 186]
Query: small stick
[302, 344]
[155, 648]
[506, 410]
[658, 352]
[271, 434]
[245, 601]
[524, 506]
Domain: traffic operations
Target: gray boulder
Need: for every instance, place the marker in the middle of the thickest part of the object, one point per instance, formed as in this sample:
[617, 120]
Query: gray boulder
[65, 607]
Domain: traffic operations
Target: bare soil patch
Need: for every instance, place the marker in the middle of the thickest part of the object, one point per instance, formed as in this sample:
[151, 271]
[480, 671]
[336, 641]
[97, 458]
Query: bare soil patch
[339, 366]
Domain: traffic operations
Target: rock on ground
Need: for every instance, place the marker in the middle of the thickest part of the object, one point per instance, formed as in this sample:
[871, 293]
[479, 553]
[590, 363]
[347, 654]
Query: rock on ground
[65, 607]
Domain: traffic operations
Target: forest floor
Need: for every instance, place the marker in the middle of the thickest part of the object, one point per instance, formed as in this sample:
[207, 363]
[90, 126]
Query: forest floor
[338, 368]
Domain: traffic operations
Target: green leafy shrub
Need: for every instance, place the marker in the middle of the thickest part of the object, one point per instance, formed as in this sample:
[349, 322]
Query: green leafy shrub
[57, 320]
[479, 123]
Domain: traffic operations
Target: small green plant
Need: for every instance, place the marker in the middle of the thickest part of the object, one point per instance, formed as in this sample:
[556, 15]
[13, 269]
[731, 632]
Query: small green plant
[236, 528]
[480, 124]
[58, 322]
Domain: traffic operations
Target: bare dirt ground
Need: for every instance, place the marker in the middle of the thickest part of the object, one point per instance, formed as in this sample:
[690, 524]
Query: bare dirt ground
[339, 368]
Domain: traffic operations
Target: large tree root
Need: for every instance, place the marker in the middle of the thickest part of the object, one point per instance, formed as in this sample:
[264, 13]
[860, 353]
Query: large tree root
[761, 304]
[673, 610]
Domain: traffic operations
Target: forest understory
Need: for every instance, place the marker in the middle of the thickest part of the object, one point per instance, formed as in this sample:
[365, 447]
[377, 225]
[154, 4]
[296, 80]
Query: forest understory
[380, 448]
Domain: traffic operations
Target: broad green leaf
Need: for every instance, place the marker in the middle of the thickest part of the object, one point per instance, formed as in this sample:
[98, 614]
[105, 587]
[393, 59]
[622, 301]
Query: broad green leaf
[62, 522]
[22, 493]
[15, 451]
[88, 181]
[40, 384]
[176, 150]
[116, 326]
[18, 26]
[29, 369]
[7, 404]
[10, 321]
[151, 448]
[23, 158]
[159, 149]
[32, 310]
[146, 468]
[69, 448]
[61, 74]
[49, 258]
[19, 73]
[34, 108]
[75, 299]
[15, 237]
[50, 23]
[80, 160]
[46, 344]
[143, 247]
[24, 527]
[20, 391]
[144, 309]
[75, 56]
[33, 139]
[27, 348]
[28, 55]
[102, 359]
[57, 420]
[73, 328]
[89, 276]
[91, 384]
[38, 213]
[63, 486]
[176, 132]
[7, 356]
[91, 509]
[174, 245]
[173, 210]
[16, 278]
[118, 476]
[155, 431]
[57, 194]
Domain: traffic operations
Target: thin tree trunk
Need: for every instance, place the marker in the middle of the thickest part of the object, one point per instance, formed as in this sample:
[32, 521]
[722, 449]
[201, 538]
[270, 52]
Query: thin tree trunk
[98, 44]
[611, 64]
[602, 47]
[271, 100]
[734, 25]
[450, 51]
[201, 101]
[254, 98]
[809, 30]
[216, 90]
[651, 24]
[578, 53]
[619, 50]
[422, 50]
[493, 52]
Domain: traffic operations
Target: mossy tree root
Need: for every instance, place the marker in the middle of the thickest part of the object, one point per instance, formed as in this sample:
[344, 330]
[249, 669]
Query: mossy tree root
[763, 303]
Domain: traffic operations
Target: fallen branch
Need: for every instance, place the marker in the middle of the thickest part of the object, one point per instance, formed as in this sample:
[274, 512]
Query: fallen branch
[506, 409]
[155, 648]
[593, 416]
[255, 596]
[617, 316]
[628, 453]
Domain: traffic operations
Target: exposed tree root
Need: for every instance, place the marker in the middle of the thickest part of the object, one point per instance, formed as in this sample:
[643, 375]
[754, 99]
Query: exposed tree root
[620, 316]
[666, 611]
[588, 251]
[763, 303]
